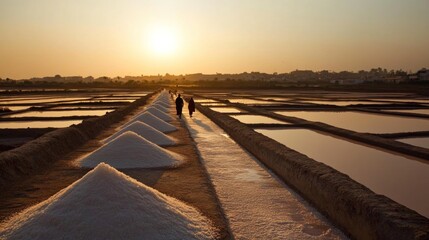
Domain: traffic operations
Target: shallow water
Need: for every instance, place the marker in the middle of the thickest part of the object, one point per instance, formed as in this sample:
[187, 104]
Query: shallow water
[401, 100]
[363, 122]
[255, 119]
[249, 101]
[39, 124]
[43, 100]
[399, 178]
[342, 103]
[227, 109]
[17, 108]
[213, 104]
[419, 142]
[65, 113]
[205, 100]
[421, 111]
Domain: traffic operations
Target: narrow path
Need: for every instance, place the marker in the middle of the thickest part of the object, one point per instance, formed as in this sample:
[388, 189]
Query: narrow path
[256, 203]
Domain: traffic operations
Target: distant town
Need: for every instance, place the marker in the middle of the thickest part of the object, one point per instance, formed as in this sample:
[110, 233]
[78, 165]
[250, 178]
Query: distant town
[305, 78]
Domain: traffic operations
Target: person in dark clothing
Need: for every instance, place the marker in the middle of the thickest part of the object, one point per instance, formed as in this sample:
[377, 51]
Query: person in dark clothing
[179, 106]
[191, 106]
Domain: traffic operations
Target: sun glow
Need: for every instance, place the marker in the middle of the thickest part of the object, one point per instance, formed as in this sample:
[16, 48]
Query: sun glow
[163, 41]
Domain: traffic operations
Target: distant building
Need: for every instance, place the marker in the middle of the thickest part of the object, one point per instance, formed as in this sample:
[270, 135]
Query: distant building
[347, 81]
[394, 79]
[423, 74]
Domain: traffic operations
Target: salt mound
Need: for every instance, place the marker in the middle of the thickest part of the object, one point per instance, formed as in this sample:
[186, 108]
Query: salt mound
[153, 121]
[160, 114]
[107, 204]
[146, 131]
[160, 107]
[129, 150]
[163, 103]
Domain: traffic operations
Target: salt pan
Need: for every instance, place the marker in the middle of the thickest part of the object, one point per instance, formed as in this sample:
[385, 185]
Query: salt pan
[107, 204]
[130, 150]
[146, 131]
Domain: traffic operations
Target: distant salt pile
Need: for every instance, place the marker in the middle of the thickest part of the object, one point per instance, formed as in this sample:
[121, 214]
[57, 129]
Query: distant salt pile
[160, 114]
[166, 105]
[146, 131]
[130, 150]
[153, 121]
[107, 204]
[160, 107]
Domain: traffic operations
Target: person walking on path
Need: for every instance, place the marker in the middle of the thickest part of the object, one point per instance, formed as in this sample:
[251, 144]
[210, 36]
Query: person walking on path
[191, 106]
[179, 106]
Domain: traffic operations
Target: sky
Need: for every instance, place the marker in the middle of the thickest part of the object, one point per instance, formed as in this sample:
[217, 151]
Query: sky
[135, 37]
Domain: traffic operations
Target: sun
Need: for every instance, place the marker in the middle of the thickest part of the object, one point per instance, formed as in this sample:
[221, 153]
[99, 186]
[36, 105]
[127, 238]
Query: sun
[163, 41]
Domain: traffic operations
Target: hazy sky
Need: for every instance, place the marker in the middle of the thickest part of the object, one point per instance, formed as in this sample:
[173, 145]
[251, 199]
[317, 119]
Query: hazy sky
[116, 37]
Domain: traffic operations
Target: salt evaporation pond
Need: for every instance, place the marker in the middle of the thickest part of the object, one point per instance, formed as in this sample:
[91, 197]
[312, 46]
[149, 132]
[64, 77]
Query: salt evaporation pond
[43, 100]
[256, 119]
[249, 101]
[227, 110]
[400, 100]
[213, 104]
[400, 178]
[421, 111]
[419, 142]
[107, 204]
[39, 124]
[16, 108]
[363, 122]
[205, 100]
[60, 113]
[342, 103]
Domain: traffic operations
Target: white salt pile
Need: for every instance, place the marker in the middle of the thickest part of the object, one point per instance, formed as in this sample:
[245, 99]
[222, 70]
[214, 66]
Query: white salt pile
[146, 131]
[160, 107]
[107, 204]
[153, 121]
[129, 150]
[161, 104]
[160, 114]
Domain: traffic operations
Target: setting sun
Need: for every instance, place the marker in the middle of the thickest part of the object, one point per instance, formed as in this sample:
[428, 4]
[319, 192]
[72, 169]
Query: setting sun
[162, 41]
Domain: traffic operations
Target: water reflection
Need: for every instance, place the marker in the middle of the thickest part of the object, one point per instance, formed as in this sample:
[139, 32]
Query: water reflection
[227, 109]
[419, 142]
[255, 119]
[39, 124]
[249, 101]
[342, 103]
[363, 122]
[401, 179]
[65, 113]
[213, 104]
[421, 111]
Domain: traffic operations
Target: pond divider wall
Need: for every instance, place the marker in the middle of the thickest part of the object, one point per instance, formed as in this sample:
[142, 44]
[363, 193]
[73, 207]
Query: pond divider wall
[353, 207]
[56, 144]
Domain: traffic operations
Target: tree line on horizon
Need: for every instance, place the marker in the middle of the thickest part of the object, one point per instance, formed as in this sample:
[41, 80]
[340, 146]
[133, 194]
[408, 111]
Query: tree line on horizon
[250, 79]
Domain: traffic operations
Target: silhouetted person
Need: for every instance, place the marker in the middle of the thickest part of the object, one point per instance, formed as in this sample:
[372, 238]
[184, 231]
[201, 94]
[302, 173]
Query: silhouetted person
[179, 106]
[191, 106]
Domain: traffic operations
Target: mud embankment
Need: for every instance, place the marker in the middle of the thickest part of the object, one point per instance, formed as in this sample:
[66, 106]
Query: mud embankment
[352, 206]
[52, 146]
